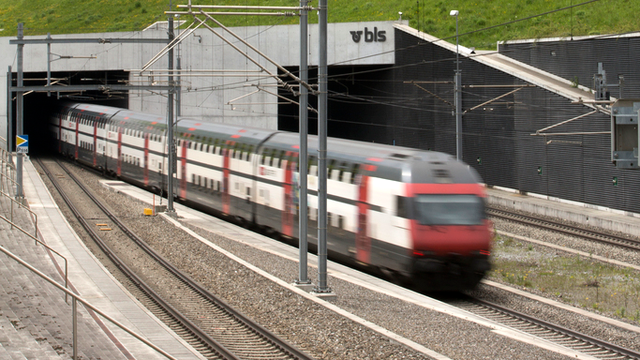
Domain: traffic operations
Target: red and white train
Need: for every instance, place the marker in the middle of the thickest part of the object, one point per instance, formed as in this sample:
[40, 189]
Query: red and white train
[418, 214]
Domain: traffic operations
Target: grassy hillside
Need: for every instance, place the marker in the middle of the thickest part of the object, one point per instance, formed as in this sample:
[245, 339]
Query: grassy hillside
[432, 16]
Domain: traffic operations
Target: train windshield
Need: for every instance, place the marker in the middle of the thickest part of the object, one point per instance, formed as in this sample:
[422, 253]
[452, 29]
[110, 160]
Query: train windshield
[449, 209]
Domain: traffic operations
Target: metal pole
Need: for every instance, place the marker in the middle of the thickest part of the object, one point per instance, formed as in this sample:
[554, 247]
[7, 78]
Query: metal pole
[303, 278]
[322, 150]
[170, 123]
[19, 112]
[74, 309]
[458, 100]
[10, 115]
[48, 63]
[178, 81]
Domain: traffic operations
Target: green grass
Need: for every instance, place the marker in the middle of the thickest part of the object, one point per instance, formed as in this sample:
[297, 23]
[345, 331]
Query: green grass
[86, 16]
[576, 280]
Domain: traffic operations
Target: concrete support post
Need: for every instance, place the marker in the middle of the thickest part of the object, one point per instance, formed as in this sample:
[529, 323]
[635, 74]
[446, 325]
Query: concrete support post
[323, 88]
[19, 111]
[48, 63]
[10, 115]
[303, 279]
[458, 103]
[171, 148]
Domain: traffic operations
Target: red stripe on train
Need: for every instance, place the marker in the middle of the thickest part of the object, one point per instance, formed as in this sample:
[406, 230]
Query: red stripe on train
[363, 241]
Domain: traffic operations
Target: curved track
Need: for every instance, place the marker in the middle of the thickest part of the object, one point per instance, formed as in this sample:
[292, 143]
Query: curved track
[222, 334]
[581, 232]
[568, 338]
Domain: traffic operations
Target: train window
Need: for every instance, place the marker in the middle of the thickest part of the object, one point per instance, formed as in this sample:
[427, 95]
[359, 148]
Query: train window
[242, 151]
[193, 178]
[280, 158]
[331, 166]
[449, 209]
[403, 205]
[354, 173]
[343, 167]
[264, 158]
[200, 180]
[341, 222]
[311, 162]
[249, 152]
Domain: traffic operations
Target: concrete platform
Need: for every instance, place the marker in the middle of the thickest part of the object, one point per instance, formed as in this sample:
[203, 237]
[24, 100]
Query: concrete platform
[596, 216]
[36, 320]
[503, 196]
[34, 317]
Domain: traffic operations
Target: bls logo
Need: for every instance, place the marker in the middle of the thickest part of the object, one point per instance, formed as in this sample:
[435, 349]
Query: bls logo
[369, 36]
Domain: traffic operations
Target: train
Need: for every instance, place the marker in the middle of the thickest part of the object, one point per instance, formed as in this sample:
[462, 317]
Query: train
[415, 215]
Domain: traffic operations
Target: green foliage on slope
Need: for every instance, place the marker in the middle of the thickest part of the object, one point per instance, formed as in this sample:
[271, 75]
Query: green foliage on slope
[502, 17]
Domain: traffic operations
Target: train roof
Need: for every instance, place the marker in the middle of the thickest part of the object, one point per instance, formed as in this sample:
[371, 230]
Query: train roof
[96, 109]
[386, 161]
[206, 130]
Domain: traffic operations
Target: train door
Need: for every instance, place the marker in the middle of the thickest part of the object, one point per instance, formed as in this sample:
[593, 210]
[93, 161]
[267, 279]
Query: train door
[95, 142]
[363, 241]
[119, 152]
[145, 162]
[183, 169]
[289, 210]
[77, 136]
[226, 197]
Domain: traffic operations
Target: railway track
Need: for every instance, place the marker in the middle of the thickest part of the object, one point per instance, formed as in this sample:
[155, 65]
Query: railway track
[206, 322]
[593, 235]
[568, 338]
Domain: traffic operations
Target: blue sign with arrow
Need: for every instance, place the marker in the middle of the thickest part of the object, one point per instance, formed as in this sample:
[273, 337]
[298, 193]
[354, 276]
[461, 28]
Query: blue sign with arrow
[22, 144]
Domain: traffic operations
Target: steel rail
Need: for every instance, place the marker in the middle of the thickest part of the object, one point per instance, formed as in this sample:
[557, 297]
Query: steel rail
[173, 313]
[267, 336]
[530, 220]
[586, 339]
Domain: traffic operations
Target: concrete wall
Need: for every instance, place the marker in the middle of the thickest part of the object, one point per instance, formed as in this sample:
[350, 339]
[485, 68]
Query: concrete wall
[203, 96]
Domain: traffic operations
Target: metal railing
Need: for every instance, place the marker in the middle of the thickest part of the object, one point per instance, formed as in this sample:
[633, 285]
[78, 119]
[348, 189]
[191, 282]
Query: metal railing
[76, 298]
[20, 204]
[66, 263]
[5, 158]
[2, 177]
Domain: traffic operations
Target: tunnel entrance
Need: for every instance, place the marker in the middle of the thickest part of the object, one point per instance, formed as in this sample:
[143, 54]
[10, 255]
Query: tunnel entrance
[40, 105]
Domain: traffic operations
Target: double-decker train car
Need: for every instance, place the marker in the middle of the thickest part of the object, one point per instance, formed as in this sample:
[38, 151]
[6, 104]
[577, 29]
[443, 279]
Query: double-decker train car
[413, 213]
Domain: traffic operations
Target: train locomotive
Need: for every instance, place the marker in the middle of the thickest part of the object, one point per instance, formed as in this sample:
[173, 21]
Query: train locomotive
[418, 215]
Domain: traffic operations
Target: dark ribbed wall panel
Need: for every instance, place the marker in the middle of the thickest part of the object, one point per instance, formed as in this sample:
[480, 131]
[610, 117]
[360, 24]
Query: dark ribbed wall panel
[381, 105]
[578, 60]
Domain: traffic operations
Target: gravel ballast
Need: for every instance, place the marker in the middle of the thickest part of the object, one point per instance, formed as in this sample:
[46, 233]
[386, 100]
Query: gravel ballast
[317, 330]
